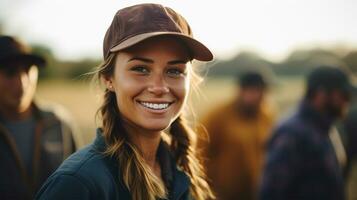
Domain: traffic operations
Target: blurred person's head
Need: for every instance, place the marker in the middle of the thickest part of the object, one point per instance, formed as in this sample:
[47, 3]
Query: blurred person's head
[18, 77]
[148, 76]
[252, 89]
[329, 90]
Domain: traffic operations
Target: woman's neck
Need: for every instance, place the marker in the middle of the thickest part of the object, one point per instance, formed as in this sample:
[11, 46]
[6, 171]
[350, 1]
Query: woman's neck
[146, 141]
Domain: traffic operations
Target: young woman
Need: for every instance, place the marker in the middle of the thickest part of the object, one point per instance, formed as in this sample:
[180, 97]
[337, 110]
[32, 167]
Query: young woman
[147, 74]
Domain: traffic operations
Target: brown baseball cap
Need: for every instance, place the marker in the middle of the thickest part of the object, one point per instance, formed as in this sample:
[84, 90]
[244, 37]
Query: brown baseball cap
[134, 24]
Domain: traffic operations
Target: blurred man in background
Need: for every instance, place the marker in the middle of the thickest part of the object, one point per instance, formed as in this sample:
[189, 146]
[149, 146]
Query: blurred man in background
[302, 162]
[347, 128]
[33, 140]
[237, 134]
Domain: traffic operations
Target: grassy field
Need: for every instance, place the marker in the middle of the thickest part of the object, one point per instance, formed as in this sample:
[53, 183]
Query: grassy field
[82, 99]
[78, 97]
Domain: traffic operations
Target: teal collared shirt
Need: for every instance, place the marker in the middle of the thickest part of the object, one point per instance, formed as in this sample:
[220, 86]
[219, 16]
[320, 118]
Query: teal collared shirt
[89, 174]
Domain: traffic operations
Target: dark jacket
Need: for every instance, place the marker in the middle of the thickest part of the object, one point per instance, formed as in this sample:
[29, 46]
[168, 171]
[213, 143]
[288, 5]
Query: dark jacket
[52, 143]
[347, 129]
[301, 162]
[89, 174]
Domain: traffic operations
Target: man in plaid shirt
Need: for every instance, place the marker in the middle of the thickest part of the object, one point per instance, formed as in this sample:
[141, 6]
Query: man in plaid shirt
[301, 162]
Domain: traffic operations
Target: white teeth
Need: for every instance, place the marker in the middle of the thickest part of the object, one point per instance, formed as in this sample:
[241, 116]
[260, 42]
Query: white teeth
[155, 106]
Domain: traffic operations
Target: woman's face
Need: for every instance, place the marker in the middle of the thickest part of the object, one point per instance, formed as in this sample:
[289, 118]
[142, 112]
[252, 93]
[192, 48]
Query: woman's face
[151, 82]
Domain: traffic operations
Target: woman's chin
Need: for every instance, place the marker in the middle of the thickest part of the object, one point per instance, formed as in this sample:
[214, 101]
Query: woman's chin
[156, 128]
[156, 125]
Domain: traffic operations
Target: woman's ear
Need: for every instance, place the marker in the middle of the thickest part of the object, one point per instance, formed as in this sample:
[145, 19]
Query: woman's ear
[108, 81]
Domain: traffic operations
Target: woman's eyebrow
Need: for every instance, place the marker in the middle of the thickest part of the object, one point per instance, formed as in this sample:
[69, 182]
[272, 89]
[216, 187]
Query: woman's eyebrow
[174, 62]
[147, 60]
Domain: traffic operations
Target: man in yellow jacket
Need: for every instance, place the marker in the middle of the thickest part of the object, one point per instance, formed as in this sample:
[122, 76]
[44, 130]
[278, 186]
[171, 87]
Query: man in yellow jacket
[237, 133]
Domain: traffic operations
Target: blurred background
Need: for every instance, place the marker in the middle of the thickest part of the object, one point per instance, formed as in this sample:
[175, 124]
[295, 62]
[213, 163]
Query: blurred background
[282, 38]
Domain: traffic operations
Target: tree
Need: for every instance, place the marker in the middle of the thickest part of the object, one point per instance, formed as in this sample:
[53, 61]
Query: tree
[351, 61]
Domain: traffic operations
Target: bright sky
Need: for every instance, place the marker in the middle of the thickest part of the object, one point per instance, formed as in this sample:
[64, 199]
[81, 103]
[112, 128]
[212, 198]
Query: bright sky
[75, 28]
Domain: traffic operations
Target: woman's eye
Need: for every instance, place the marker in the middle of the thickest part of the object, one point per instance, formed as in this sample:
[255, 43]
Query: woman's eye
[140, 69]
[175, 72]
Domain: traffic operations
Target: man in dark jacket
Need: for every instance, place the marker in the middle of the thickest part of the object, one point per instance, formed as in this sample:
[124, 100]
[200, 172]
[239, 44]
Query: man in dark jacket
[301, 162]
[33, 140]
[347, 129]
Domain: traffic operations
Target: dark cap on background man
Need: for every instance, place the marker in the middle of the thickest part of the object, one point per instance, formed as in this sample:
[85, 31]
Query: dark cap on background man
[252, 79]
[329, 78]
[134, 24]
[12, 50]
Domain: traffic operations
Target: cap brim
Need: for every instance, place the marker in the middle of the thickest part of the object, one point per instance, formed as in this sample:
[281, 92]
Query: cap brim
[199, 51]
[30, 59]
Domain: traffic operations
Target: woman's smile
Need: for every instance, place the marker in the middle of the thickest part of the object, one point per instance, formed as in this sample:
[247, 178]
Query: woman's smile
[155, 106]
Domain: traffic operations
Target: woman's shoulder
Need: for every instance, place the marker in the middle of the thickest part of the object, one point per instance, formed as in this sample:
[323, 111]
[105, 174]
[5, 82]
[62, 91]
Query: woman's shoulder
[88, 172]
[84, 162]
[89, 161]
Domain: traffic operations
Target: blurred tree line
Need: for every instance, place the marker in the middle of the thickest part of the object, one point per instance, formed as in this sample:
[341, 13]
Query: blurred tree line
[62, 69]
[298, 63]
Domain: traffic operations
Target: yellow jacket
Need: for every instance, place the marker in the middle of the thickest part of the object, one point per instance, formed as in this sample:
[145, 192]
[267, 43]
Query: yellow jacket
[234, 151]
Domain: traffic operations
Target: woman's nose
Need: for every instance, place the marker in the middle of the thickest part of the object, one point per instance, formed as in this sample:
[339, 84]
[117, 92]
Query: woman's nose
[158, 85]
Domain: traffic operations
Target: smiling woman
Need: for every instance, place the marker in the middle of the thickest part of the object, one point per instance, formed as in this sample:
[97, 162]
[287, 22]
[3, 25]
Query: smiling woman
[150, 82]
[147, 72]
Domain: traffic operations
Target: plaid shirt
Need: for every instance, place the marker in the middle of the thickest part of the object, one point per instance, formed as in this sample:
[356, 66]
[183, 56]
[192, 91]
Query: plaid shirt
[301, 162]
